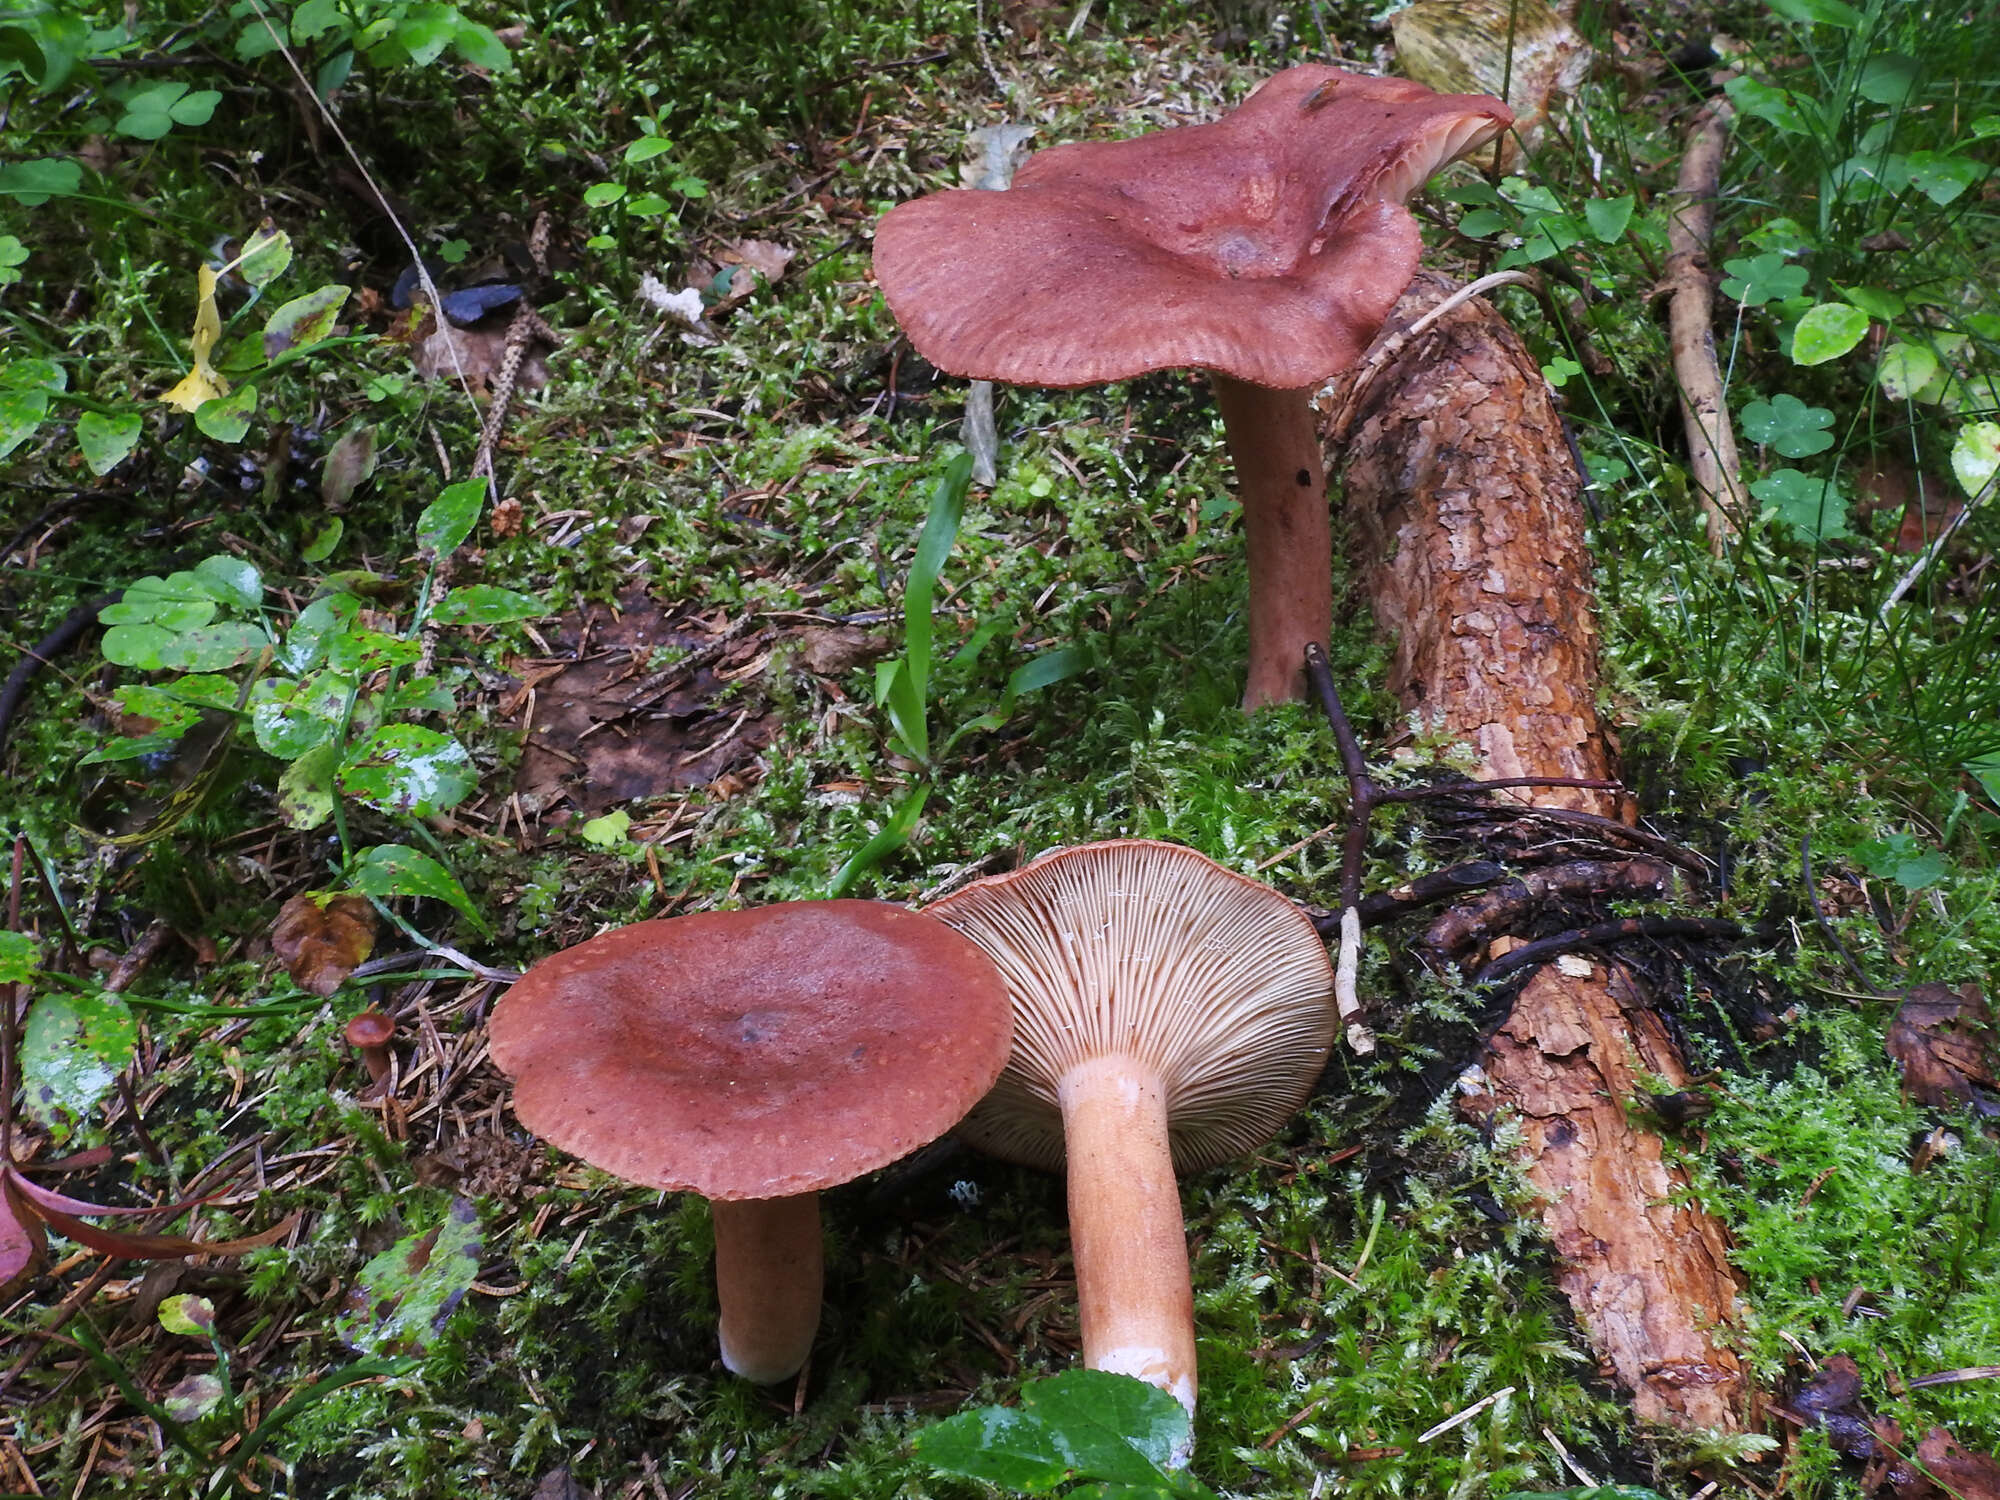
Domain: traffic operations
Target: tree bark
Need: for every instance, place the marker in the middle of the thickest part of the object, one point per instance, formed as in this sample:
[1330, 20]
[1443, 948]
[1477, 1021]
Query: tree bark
[1463, 496]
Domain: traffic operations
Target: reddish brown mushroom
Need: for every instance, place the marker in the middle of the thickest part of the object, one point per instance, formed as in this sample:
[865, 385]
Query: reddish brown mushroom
[1168, 1014]
[756, 1057]
[1266, 248]
[370, 1034]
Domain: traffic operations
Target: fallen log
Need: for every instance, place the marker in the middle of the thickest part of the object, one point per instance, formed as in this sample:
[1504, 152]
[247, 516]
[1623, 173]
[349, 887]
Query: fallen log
[1464, 500]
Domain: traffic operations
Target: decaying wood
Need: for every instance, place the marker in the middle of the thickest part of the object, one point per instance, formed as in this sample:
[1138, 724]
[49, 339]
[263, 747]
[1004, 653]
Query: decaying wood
[1464, 500]
[1712, 462]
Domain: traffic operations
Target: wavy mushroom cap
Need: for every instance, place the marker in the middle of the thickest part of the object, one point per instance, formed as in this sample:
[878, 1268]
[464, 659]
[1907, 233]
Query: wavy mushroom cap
[1157, 952]
[758, 1053]
[1268, 246]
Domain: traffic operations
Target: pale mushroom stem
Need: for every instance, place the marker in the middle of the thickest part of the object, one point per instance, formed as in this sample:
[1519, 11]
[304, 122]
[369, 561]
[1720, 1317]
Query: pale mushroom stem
[1132, 1288]
[768, 1277]
[1281, 478]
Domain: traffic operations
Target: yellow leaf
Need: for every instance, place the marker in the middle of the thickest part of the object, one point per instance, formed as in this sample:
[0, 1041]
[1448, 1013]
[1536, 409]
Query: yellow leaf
[202, 383]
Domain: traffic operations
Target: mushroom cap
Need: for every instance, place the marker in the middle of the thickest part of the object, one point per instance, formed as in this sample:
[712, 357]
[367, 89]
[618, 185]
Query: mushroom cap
[371, 1028]
[758, 1053]
[1158, 952]
[1268, 246]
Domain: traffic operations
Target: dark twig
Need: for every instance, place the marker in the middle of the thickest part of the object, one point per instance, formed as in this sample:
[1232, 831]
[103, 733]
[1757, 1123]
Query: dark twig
[1819, 916]
[1507, 906]
[1604, 934]
[1365, 794]
[37, 656]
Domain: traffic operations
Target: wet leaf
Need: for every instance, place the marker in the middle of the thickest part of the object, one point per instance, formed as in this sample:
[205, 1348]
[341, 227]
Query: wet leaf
[607, 831]
[1758, 279]
[106, 441]
[1975, 457]
[290, 718]
[305, 790]
[303, 320]
[1812, 509]
[72, 1050]
[359, 652]
[20, 956]
[1950, 1469]
[1905, 370]
[21, 413]
[215, 648]
[398, 870]
[176, 602]
[1826, 332]
[406, 768]
[1788, 425]
[487, 604]
[192, 1397]
[402, 1297]
[449, 519]
[22, 1240]
[321, 936]
[1901, 857]
[230, 580]
[227, 418]
[265, 255]
[1082, 1424]
[321, 620]
[1942, 1039]
[188, 1314]
[349, 462]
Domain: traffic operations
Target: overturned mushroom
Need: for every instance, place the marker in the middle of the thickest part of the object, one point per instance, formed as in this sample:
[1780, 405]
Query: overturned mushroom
[1266, 248]
[756, 1057]
[1168, 1014]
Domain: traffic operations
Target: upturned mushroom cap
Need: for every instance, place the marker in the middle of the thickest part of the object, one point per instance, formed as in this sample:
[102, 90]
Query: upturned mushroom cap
[754, 1054]
[1268, 246]
[1155, 951]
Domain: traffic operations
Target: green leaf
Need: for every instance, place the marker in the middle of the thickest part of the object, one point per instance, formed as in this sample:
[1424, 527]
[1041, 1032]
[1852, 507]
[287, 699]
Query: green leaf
[319, 547]
[1877, 302]
[334, 72]
[137, 646]
[1608, 217]
[1901, 858]
[196, 108]
[1904, 370]
[487, 604]
[227, 418]
[398, 870]
[607, 831]
[886, 840]
[648, 206]
[1758, 279]
[319, 622]
[402, 1297]
[406, 768]
[106, 441]
[176, 602]
[230, 580]
[1825, 12]
[1481, 222]
[646, 148]
[933, 547]
[314, 18]
[359, 652]
[35, 182]
[214, 648]
[602, 194]
[289, 718]
[1011, 1449]
[1811, 509]
[1773, 106]
[1942, 177]
[1827, 332]
[13, 254]
[148, 111]
[1976, 455]
[1887, 78]
[448, 520]
[424, 32]
[20, 956]
[481, 46]
[1120, 1428]
[1984, 768]
[21, 412]
[188, 1314]
[1789, 425]
[72, 1050]
[303, 320]
[265, 255]
[305, 790]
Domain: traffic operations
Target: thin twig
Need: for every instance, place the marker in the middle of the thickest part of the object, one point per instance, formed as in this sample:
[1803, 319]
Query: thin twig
[1603, 934]
[1936, 549]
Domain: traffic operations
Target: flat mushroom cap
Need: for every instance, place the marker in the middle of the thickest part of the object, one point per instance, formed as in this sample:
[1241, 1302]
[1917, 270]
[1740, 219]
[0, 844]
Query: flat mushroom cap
[758, 1053]
[1158, 952]
[1269, 246]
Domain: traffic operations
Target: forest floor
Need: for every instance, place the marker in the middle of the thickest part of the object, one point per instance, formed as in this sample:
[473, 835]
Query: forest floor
[638, 679]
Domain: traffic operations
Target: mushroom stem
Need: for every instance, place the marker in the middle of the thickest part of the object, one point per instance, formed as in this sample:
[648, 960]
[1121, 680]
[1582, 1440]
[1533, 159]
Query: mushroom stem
[768, 1277]
[1132, 1288]
[1281, 477]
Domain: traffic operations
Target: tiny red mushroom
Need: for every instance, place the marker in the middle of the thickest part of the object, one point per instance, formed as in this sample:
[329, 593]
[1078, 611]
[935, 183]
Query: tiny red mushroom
[756, 1057]
[370, 1034]
[1266, 248]
[1169, 1014]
